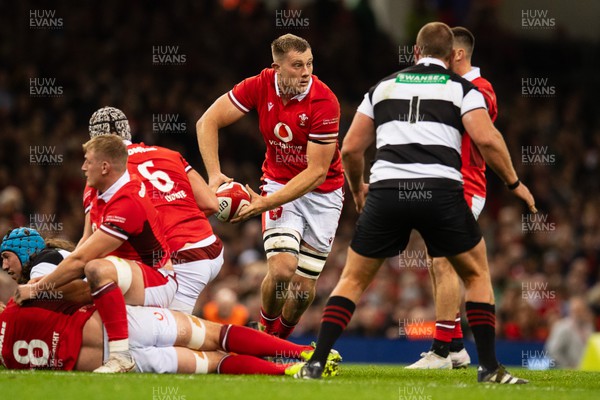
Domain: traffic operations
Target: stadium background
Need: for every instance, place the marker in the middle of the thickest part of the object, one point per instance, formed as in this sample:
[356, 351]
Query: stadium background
[164, 63]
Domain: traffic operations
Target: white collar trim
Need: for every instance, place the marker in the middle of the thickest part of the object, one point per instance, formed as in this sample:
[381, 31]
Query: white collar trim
[298, 97]
[431, 60]
[110, 192]
[473, 74]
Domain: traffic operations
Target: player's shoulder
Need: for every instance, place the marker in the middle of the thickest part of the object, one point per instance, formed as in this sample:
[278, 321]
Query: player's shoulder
[131, 190]
[137, 150]
[482, 83]
[48, 255]
[267, 73]
[89, 193]
[321, 87]
[321, 92]
[264, 78]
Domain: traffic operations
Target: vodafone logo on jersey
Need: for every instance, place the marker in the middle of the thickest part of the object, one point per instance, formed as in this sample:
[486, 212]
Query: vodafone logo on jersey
[283, 132]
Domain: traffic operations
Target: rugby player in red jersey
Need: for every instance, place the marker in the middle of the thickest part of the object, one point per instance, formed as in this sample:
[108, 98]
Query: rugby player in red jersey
[126, 259]
[67, 335]
[445, 281]
[302, 177]
[181, 197]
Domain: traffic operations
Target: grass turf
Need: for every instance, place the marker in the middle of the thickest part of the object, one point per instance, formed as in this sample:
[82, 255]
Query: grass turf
[354, 382]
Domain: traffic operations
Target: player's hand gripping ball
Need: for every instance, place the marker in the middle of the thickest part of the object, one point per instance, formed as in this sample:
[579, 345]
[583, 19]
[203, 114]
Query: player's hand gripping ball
[233, 197]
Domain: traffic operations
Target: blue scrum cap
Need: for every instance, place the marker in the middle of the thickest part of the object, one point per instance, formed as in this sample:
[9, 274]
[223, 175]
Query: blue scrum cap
[24, 242]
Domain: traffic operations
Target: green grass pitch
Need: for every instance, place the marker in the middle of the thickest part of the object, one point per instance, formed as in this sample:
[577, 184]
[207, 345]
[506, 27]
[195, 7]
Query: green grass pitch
[373, 382]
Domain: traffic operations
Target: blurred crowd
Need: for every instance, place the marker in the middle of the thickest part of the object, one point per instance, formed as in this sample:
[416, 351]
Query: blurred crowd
[103, 55]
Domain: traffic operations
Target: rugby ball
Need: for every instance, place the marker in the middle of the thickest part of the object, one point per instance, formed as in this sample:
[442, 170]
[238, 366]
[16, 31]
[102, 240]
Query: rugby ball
[232, 197]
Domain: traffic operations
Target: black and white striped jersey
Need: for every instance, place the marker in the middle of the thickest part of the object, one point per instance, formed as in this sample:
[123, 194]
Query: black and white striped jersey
[418, 122]
[46, 261]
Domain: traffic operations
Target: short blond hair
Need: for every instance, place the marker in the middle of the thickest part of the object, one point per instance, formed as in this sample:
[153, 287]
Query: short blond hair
[108, 148]
[288, 42]
[435, 39]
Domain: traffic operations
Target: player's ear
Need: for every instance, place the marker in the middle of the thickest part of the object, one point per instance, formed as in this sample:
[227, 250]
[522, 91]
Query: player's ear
[458, 54]
[275, 66]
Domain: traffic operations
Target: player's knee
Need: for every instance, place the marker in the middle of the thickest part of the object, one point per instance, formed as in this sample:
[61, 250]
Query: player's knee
[281, 274]
[110, 269]
[96, 271]
[282, 267]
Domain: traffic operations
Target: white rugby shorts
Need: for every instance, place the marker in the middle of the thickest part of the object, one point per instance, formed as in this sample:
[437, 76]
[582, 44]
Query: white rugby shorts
[152, 334]
[315, 216]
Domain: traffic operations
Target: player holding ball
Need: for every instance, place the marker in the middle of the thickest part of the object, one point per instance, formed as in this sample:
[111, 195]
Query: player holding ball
[302, 194]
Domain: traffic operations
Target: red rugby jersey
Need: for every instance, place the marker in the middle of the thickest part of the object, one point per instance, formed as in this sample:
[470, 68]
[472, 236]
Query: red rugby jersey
[43, 334]
[286, 129]
[164, 172]
[473, 164]
[125, 211]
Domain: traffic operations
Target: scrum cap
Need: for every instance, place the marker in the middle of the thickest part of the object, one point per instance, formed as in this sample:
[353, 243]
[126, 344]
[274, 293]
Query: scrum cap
[24, 242]
[110, 120]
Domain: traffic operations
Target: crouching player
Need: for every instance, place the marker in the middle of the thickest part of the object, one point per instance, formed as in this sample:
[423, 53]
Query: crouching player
[120, 258]
[62, 335]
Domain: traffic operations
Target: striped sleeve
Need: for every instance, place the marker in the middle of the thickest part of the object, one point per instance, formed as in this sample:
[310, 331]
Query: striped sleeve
[88, 194]
[325, 124]
[472, 101]
[366, 107]
[244, 95]
[186, 166]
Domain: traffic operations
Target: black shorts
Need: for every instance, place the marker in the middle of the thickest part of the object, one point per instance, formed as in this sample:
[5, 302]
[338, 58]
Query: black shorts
[441, 216]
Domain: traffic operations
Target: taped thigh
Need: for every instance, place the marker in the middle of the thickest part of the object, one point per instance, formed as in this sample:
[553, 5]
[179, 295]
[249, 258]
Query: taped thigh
[124, 274]
[310, 262]
[281, 240]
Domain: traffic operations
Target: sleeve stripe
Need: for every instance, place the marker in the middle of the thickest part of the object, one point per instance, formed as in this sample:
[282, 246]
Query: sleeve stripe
[323, 135]
[236, 102]
[187, 169]
[472, 109]
[87, 209]
[113, 232]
